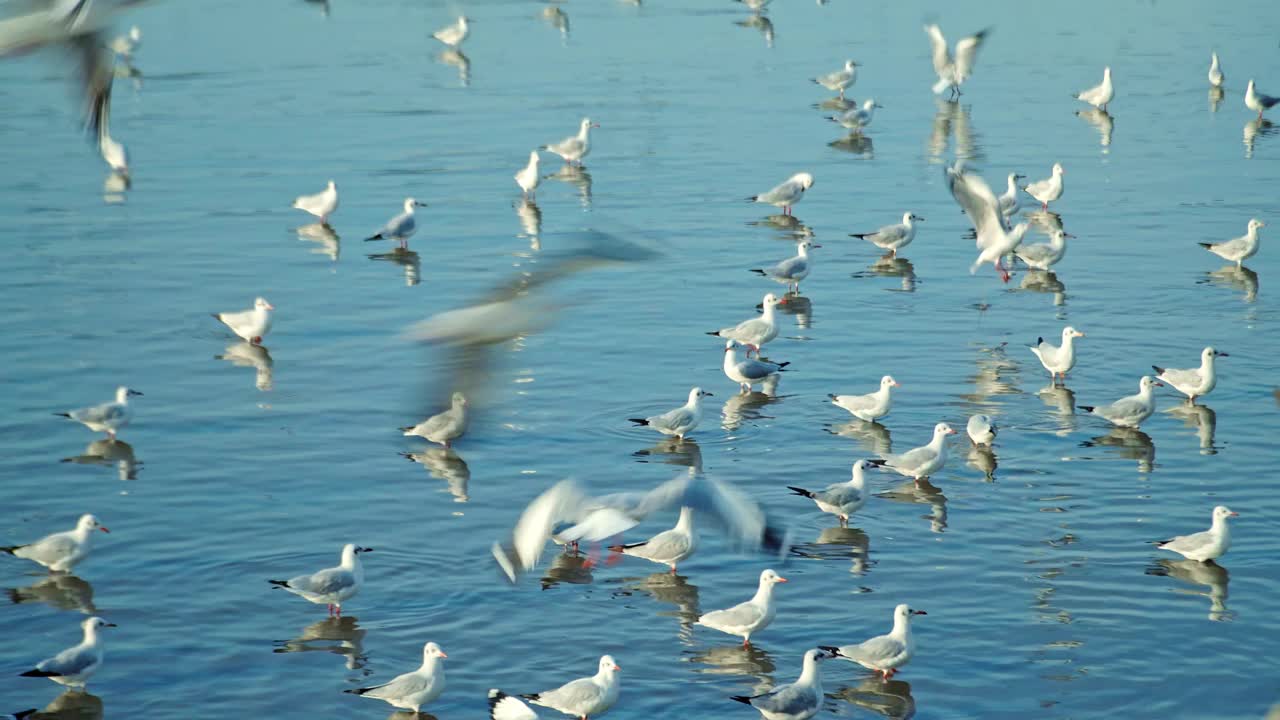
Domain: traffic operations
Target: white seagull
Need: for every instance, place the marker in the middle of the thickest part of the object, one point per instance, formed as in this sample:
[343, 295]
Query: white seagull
[574, 147]
[251, 325]
[528, 177]
[1042, 256]
[583, 697]
[1049, 189]
[840, 80]
[799, 700]
[73, 667]
[841, 499]
[412, 690]
[508, 707]
[113, 152]
[752, 616]
[787, 194]
[445, 427]
[983, 210]
[919, 463]
[870, 407]
[108, 417]
[61, 551]
[1239, 249]
[1204, 546]
[885, 653]
[791, 271]
[321, 204]
[981, 429]
[746, 371]
[1129, 411]
[1215, 71]
[668, 547]
[1058, 360]
[952, 73]
[757, 331]
[1255, 100]
[453, 35]
[680, 421]
[892, 237]
[1099, 95]
[856, 118]
[1009, 202]
[400, 227]
[1192, 382]
[331, 586]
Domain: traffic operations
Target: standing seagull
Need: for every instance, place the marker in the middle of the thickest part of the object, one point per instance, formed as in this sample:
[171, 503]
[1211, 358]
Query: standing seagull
[73, 667]
[251, 325]
[1042, 256]
[1099, 95]
[1058, 360]
[108, 417]
[444, 427]
[574, 147]
[983, 209]
[856, 119]
[1238, 249]
[799, 700]
[885, 653]
[400, 227]
[1215, 71]
[528, 177]
[322, 204]
[583, 697]
[60, 552]
[919, 463]
[745, 371]
[668, 547]
[792, 270]
[749, 617]
[872, 406]
[892, 237]
[1204, 546]
[412, 690]
[1049, 189]
[840, 499]
[1193, 382]
[1255, 100]
[1009, 202]
[331, 586]
[840, 80]
[952, 73]
[787, 194]
[680, 421]
[453, 35]
[981, 429]
[755, 332]
[1129, 411]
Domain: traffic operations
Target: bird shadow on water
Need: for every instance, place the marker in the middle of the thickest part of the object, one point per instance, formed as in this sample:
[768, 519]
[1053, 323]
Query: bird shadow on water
[839, 543]
[1102, 121]
[761, 23]
[668, 589]
[983, 459]
[576, 176]
[106, 451]
[407, 259]
[745, 407]
[72, 705]
[568, 568]
[749, 661]
[58, 591]
[457, 59]
[1203, 420]
[672, 451]
[1047, 282]
[444, 464]
[1255, 130]
[954, 120]
[1208, 574]
[337, 635]
[888, 266]
[922, 492]
[889, 699]
[326, 241]
[1240, 279]
[789, 227]
[258, 357]
[855, 143]
[1128, 443]
[872, 436]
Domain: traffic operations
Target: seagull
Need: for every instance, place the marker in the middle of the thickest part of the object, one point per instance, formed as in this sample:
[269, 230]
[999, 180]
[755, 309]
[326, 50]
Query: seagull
[983, 209]
[73, 667]
[453, 35]
[124, 45]
[113, 152]
[1098, 96]
[412, 690]
[331, 586]
[919, 463]
[981, 429]
[1060, 359]
[857, 118]
[1042, 256]
[1049, 189]
[251, 325]
[892, 237]
[841, 499]
[792, 270]
[1129, 411]
[108, 417]
[680, 421]
[799, 700]
[61, 551]
[668, 547]
[745, 371]
[1215, 71]
[885, 653]
[787, 194]
[1204, 546]
[583, 697]
[445, 427]
[1255, 100]
[508, 707]
[1009, 202]
[953, 73]
[400, 227]
[322, 204]
[1193, 382]
[574, 147]
[755, 332]
[754, 5]
[752, 616]
[840, 80]
[1238, 249]
[528, 177]
[870, 407]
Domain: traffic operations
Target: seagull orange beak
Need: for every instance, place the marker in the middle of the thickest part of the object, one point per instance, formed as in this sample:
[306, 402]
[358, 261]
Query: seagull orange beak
[103, 529]
[270, 306]
[444, 654]
[1234, 514]
[615, 667]
[782, 579]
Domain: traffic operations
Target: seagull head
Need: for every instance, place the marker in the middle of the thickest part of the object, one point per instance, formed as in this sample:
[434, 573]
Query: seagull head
[90, 522]
[769, 577]
[1211, 352]
[1070, 332]
[696, 393]
[432, 650]
[411, 203]
[943, 429]
[887, 381]
[1057, 169]
[1255, 223]
[1147, 382]
[586, 123]
[95, 623]
[123, 393]
[262, 304]
[1224, 512]
[804, 180]
[459, 400]
[608, 665]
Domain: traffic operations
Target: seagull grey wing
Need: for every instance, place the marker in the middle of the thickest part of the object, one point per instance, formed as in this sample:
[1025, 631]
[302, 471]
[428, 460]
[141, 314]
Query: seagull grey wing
[562, 501]
[789, 701]
[790, 267]
[406, 684]
[720, 505]
[573, 694]
[1123, 408]
[739, 615]
[840, 494]
[978, 202]
[672, 419]
[967, 54]
[1231, 247]
[938, 49]
[756, 370]
[50, 549]
[877, 649]
[1182, 377]
[104, 413]
[1189, 543]
[325, 582]
[857, 402]
[71, 661]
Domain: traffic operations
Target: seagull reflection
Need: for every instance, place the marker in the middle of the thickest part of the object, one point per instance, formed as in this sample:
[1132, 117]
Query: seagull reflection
[922, 492]
[243, 354]
[761, 23]
[1046, 221]
[530, 222]
[1062, 401]
[456, 58]
[568, 568]
[1215, 98]
[72, 705]
[1101, 121]
[856, 144]
[983, 459]
[1194, 572]
[797, 306]
[673, 451]
[838, 543]
[407, 259]
[1254, 129]
[671, 590]
[577, 176]
[322, 4]
[1045, 281]
[744, 406]
[445, 464]
[836, 104]
[993, 364]
[337, 635]
[890, 699]
[61, 592]
[892, 267]
[327, 241]
[1203, 419]
[789, 226]
[1130, 443]
[873, 436]
[115, 186]
[106, 451]
[1241, 279]
[750, 661]
[953, 119]
[559, 20]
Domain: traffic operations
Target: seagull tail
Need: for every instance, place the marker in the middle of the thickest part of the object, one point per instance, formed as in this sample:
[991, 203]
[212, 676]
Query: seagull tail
[1039, 342]
[800, 491]
[744, 699]
[1086, 408]
[531, 696]
[504, 707]
[357, 691]
[716, 333]
[639, 421]
[406, 428]
[279, 583]
[375, 237]
[1206, 246]
[878, 462]
[39, 673]
[24, 713]
[9, 548]
[624, 548]
[65, 415]
[1159, 370]
[753, 198]
[860, 236]
[757, 271]
[831, 649]
[783, 364]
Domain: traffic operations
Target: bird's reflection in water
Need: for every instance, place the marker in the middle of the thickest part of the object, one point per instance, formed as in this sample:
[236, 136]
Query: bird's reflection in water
[1202, 419]
[72, 705]
[1215, 98]
[747, 406]
[458, 59]
[1254, 130]
[989, 379]
[558, 19]
[855, 144]
[675, 590]
[114, 188]
[1062, 401]
[445, 464]
[1045, 281]
[983, 459]
[322, 4]
[838, 543]
[797, 306]
[576, 176]
[1240, 279]
[407, 259]
[62, 592]
[1045, 221]
[789, 227]
[326, 241]
[872, 436]
[673, 451]
[750, 661]
[761, 23]
[888, 266]
[568, 567]
[243, 354]
[530, 216]
[1129, 443]
[922, 492]
[337, 635]
[106, 451]
[952, 118]
[1209, 574]
[1101, 121]
[891, 699]
[836, 104]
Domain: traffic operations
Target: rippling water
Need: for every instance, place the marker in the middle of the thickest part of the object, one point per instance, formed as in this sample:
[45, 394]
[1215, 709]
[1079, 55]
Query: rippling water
[1043, 598]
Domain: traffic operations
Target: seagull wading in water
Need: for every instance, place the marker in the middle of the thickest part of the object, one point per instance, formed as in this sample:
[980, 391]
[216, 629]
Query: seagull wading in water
[952, 72]
[584, 697]
[668, 547]
[1255, 100]
[1204, 546]
[750, 617]
[108, 417]
[73, 667]
[412, 690]
[1238, 249]
[680, 421]
[1049, 189]
[799, 700]
[919, 463]
[872, 406]
[1129, 411]
[1058, 360]
[841, 499]
[1101, 94]
[321, 204]
[790, 192]
[445, 427]
[755, 332]
[453, 35]
[60, 552]
[840, 80]
[885, 653]
[251, 325]
[974, 196]
[400, 227]
[331, 586]
[1192, 382]
[574, 147]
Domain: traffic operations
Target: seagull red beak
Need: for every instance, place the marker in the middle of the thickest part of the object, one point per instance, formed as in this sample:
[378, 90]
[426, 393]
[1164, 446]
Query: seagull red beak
[615, 667]
[444, 654]
[782, 579]
[1234, 514]
[103, 529]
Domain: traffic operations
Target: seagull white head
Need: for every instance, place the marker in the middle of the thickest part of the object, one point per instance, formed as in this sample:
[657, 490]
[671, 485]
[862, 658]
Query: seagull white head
[432, 650]
[94, 623]
[869, 104]
[608, 665]
[350, 551]
[942, 429]
[123, 393]
[1070, 332]
[696, 393]
[804, 246]
[587, 124]
[804, 179]
[909, 216]
[769, 577]
[770, 301]
[1106, 72]
[135, 33]
[459, 400]
[849, 65]
[887, 381]
[411, 203]
[1255, 223]
[1147, 382]
[904, 612]
[1222, 512]
[88, 522]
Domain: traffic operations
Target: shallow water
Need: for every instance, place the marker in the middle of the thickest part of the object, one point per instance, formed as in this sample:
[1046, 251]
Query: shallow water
[1043, 598]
